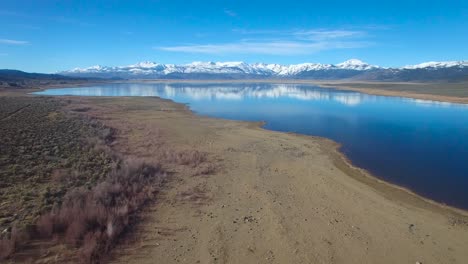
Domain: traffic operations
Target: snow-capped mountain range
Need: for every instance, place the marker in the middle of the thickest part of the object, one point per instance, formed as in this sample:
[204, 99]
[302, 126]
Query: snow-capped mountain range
[350, 69]
[438, 64]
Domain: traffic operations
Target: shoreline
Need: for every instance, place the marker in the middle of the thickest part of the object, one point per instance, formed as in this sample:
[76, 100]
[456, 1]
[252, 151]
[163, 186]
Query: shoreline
[340, 85]
[362, 175]
[305, 200]
[349, 168]
[427, 97]
[365, 176]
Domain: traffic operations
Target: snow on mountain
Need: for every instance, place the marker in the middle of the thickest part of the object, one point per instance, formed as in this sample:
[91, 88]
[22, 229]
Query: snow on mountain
[295, 69]
[144, 64]
[238, 67]
[438, 64]
[232, 67]
[353, 67]
[355, 64]
[96, 68]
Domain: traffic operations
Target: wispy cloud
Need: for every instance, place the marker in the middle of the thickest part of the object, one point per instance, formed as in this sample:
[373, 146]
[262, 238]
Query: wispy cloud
[25, 26]
[280, 42]
[57, 19]
[259, 31]
[230, 13]
[69, 20]
[271, 48]
[13, 42]
[328, 34]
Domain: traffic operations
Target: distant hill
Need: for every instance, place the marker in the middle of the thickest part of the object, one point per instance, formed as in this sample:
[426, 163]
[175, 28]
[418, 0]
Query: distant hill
[349, 70]
[12, 75]
[20, 79]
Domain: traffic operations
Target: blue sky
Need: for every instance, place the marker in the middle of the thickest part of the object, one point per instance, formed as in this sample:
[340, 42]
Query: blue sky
[49, 36]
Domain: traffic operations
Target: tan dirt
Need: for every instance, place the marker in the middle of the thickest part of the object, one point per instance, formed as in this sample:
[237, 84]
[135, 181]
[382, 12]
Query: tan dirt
[274, 198]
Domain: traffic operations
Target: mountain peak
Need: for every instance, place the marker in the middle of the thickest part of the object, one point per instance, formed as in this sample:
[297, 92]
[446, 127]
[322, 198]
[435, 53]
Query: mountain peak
[144, 64]
[355, 64]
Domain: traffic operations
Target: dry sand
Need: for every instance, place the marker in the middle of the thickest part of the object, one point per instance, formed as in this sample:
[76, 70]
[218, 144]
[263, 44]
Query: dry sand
[274, 198]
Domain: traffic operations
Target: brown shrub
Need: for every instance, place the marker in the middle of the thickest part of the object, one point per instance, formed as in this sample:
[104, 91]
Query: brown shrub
[45, 225]
[8, 244]
[7, 247]
[93, 219]
[108, 134]
[81, 109]
[191, 158]
[204, 169]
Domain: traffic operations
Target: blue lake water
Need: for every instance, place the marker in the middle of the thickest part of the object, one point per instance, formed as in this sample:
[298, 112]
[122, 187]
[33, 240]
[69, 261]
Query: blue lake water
[417, 144]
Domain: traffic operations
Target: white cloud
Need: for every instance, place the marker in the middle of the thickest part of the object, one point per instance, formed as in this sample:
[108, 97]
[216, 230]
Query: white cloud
[271, 48]
[58, 19]
[259, 31]
[309, 34]
[280, 42]
[230, 13]
[13, 42]
[327, 34]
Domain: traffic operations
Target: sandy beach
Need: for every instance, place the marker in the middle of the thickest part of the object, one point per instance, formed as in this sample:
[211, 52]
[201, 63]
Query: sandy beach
[272, 198]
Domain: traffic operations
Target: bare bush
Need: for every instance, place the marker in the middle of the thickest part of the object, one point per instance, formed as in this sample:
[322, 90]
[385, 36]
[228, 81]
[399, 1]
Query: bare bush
[7, 247]
[108, 134]
[191, 158]
[81, 109]
[204, 169]
[8, 244]
[93, 219]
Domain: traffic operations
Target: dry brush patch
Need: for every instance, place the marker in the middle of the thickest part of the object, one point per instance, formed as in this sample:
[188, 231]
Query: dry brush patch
[93, 220]
[86, 212]
[44, 153]
[192, 158]
[8, 244]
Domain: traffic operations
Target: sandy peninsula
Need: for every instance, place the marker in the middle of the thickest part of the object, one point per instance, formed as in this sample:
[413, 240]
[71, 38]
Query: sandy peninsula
[272, 198]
